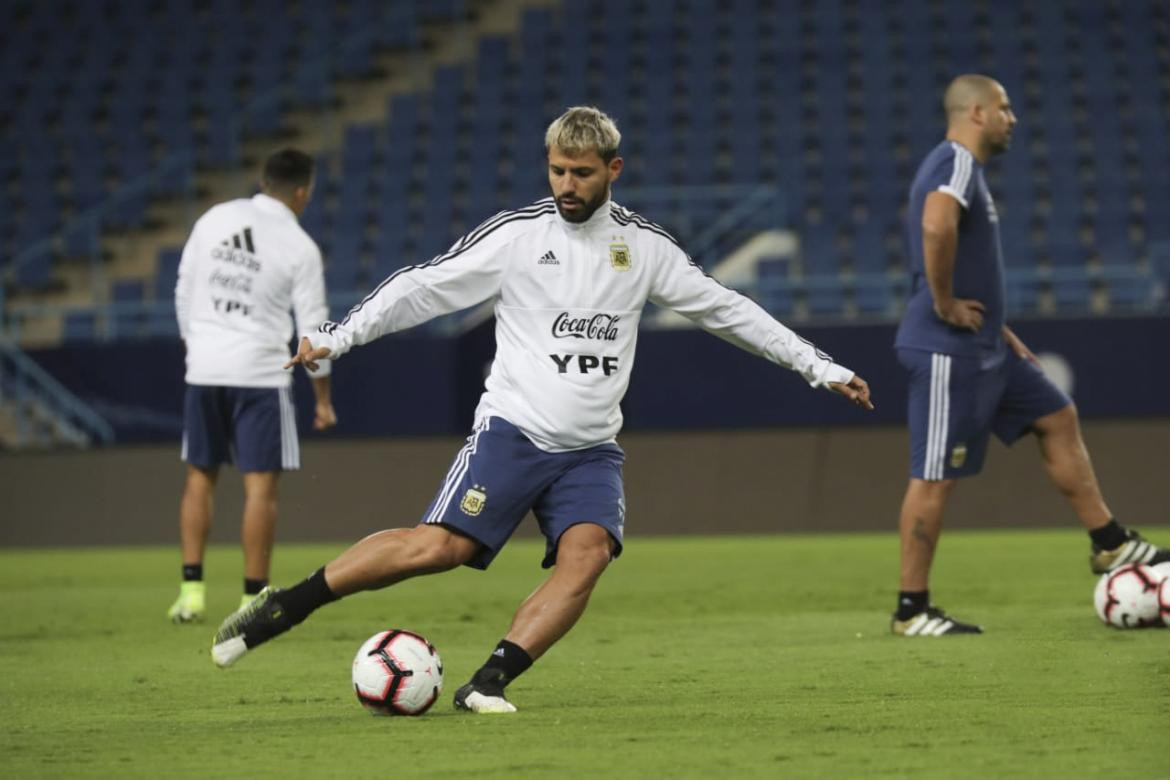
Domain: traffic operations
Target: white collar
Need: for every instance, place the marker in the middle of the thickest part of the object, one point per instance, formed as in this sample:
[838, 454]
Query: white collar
[272, 205]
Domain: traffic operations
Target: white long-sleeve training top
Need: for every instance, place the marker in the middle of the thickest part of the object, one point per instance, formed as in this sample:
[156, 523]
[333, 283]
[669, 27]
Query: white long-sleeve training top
[245, 265]
[568, 298]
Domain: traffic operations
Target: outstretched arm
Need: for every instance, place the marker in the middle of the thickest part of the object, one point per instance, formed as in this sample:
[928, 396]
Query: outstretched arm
[682, 286]
[468, 273]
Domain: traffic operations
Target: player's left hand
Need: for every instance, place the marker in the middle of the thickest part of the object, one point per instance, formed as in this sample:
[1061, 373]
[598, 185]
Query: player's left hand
[856, 391]
[1017, 346]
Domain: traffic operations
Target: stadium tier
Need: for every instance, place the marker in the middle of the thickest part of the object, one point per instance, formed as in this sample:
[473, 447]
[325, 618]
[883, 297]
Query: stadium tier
[831, 102]
[89, 117]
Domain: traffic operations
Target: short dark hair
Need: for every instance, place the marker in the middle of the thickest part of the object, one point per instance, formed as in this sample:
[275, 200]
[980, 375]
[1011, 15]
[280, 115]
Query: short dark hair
[287, 169]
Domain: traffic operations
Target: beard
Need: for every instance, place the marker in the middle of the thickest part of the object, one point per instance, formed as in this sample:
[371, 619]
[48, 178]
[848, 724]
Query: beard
[582, 210]
[1001, 144]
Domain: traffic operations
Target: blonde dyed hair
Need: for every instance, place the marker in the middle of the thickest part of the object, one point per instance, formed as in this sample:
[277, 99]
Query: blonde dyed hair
[583, 129]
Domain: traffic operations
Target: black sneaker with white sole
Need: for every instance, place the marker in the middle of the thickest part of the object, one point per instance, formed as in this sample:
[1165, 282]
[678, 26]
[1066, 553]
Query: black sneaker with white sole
[932, 622]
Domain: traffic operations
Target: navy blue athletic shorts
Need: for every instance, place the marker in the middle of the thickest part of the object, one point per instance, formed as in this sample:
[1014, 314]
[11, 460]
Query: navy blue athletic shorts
[253, 427]
[957, 402]
[500, 475]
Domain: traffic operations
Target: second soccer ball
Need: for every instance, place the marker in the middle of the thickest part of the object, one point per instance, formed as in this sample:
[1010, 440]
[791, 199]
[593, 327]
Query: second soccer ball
[1127, 597]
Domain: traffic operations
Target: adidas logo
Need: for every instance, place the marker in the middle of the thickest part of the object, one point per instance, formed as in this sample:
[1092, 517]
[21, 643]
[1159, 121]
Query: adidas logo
[499, 651]
[245, 243]
[548, 258]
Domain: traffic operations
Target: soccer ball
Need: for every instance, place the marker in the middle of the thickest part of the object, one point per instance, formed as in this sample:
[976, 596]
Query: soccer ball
[1127, 597]
[397, 673]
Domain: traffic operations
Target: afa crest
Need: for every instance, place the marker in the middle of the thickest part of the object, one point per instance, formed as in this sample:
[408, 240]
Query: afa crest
[473, 500]
[958, 456]
[619, 257]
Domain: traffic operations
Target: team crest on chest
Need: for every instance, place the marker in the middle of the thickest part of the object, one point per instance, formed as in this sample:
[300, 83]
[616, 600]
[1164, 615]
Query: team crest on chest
[473, 500]
[619, 257]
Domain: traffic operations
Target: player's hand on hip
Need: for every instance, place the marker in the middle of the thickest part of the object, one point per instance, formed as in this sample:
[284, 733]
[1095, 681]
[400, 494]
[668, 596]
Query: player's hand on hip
[965, 313]
[325, 417]
[308, 355]
[1017, 346]
[856, 390]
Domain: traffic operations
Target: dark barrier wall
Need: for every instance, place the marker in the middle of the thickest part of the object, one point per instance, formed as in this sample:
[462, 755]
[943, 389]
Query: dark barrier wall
[806, 479]
[416, 385]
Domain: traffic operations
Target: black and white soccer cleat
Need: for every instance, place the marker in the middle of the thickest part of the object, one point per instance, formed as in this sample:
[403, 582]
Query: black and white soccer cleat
[932, 622]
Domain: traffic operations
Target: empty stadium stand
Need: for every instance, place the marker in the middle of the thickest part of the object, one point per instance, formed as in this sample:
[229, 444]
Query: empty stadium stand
[830, 103]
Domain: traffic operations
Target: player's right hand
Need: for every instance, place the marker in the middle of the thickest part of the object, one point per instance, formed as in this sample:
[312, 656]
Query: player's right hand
[965, 313]
[308, 355]
[324, 417]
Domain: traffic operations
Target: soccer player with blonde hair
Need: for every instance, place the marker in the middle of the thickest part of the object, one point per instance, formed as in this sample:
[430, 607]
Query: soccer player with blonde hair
[569, 276]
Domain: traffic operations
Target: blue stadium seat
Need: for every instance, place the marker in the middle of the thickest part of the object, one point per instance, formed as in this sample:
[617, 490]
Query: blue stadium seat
[79, 326]
[825, 297]
[166, 274]
[1072, 288]
[873, 295]
[1023, 295]
[1131, 293]
[129, 319]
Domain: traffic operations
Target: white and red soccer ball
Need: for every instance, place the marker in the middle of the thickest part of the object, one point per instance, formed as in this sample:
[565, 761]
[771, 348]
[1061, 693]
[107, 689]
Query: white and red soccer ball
[397, 672]
[1132, 596]
[1164, 591]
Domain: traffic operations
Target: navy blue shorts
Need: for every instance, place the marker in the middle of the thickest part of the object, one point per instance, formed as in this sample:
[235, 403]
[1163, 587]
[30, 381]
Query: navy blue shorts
[500, 475]
[957, 402]
[253, 427]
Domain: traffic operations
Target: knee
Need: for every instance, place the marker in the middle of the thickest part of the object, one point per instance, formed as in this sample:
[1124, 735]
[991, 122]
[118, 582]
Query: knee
[586, 555]
[428, 548]
[200, 481]
[934, 491]
[1063, 422]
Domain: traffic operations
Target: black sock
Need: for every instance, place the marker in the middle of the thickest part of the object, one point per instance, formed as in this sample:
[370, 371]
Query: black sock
[911, 602]
[507, 662]
[1109, 536]
[301, 599]
[252, 587]
[192, 572]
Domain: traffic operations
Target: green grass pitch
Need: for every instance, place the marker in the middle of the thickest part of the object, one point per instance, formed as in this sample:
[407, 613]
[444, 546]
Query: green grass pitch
[699, 657]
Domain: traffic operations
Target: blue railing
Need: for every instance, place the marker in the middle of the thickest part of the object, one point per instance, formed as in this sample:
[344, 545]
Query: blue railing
[25, 385]
[1148, 292]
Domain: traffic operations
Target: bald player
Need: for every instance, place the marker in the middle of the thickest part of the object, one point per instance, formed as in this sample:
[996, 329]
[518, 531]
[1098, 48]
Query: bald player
[970, 375]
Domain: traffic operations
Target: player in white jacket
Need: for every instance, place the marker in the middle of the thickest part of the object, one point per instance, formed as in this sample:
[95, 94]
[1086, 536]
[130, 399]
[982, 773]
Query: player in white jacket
[570, 276]
[245, 265]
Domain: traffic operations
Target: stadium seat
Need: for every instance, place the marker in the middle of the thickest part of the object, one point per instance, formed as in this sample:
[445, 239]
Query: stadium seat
[79, 326]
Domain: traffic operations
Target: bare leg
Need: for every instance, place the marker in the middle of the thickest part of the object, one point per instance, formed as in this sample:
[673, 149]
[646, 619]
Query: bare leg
[919, 526]
[552, 609]
[1067, 461]
[195, 511]
[259, 529]
[392, 556]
